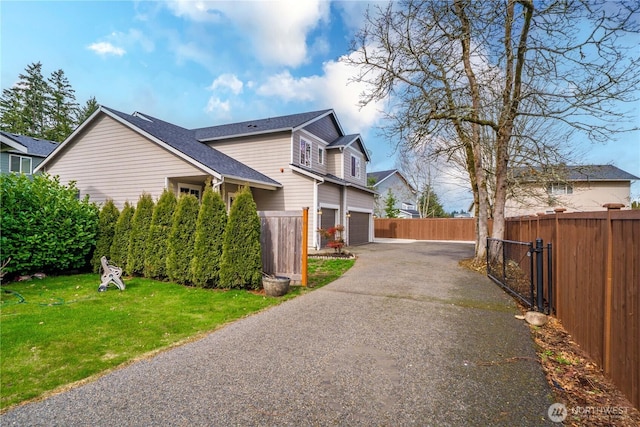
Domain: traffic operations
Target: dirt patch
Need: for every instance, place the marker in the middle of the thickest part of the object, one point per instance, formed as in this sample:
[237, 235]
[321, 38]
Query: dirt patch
[591, 398]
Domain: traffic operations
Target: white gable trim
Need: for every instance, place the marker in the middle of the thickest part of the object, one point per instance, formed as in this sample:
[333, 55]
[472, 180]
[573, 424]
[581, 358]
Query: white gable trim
[13, 144]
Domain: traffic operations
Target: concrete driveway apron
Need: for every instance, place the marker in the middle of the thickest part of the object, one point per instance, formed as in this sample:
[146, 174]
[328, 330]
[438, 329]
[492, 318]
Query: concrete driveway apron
[406, 337]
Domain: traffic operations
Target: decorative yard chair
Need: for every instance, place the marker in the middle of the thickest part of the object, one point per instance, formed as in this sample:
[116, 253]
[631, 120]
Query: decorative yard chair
[110, 274]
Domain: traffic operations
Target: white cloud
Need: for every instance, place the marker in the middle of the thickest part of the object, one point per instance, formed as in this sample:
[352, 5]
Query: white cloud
[333, 89]
[106, 48]
[228, 81]
[277, 30]
[218, 107]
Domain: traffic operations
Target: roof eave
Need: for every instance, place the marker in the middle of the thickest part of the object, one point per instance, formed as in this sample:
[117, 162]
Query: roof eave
[264, 132]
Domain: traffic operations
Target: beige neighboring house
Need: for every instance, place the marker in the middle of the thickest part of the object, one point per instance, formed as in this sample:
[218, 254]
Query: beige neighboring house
[580, 189]
[289, 162]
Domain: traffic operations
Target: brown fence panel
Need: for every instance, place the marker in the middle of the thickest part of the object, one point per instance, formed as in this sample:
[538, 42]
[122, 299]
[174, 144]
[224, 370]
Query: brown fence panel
[625, 303]
[281, 240]
[596, 261]
[462, 229]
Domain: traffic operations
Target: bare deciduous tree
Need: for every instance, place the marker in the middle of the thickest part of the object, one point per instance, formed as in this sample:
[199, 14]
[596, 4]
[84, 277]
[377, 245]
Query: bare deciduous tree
[475, 73]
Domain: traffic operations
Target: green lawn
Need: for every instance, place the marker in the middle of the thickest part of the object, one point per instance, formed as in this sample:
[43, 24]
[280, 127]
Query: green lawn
[60, 330]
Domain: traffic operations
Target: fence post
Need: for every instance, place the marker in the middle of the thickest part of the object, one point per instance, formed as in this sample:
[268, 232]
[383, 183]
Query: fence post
[558, 247]
[608, 290]
[550, 278]
[305, 244]
[539, 275]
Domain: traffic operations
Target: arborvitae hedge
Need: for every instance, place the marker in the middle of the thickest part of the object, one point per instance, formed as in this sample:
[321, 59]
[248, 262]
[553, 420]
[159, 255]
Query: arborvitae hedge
[139, 234]
[212, 220]
[181, 239]
[106, 228]
[241, 265]
[120, 245]
[155, 265]
[44, 227]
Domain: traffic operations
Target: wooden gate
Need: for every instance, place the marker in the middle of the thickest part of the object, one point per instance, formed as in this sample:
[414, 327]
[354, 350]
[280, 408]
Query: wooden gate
[281, 240]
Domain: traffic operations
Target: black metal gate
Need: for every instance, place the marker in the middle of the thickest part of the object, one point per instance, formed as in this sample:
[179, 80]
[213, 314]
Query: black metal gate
[519, 267]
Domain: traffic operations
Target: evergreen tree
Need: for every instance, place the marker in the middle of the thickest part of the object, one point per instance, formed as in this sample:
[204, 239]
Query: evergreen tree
[87, 110]
[181, 239]
[212, 220]
[241, 265]
[36, 95]
[155, 265]
[139, 234]
[390, 202]
[11, 119]
[63, 108]
[106, 229]
[120, 245]
[429, 205]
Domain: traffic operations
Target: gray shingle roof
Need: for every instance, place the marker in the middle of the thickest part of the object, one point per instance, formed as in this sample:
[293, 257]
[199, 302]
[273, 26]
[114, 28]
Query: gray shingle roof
[271, 124]
[380, 175]
[578, 173]
[35, 146]
[184, 140]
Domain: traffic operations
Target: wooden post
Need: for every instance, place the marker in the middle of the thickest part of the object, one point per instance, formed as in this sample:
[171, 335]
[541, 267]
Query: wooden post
[556, 264]
[305, 244]
[608, 290]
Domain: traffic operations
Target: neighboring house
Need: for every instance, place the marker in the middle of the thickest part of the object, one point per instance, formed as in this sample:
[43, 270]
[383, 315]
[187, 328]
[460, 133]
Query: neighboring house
[578, 189]
[22, 154]
[289, 162]
[402, 191]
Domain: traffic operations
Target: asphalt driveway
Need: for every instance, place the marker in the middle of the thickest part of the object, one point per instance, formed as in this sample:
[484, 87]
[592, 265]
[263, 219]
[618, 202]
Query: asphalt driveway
[406, 337]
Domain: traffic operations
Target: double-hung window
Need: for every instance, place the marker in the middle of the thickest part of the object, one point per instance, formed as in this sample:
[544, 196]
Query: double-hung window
[355, 166]
[20, 164]
[305, 153]
[321, 155]
[558, 189]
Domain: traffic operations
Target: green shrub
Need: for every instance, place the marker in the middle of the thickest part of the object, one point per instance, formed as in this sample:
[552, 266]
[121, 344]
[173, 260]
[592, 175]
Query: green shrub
[44, 225]
[106, 228]
[139, 234]
[120, 245]
[241, 265]
[212, 220]
[156, 253]
[181, 239]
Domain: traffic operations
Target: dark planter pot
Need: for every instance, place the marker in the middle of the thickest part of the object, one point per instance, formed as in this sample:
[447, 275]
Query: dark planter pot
[275, 286]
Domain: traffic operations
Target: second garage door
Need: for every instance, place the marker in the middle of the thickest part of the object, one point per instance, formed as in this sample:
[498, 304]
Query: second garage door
[358, 228]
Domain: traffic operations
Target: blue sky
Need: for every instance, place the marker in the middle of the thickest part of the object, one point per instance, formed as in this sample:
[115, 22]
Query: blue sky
[197, 63]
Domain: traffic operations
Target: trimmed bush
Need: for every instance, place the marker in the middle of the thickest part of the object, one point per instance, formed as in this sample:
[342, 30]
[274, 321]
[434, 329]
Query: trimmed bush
[212, 220]
[155, 265]
[181, 239]
[139, 234]
[241, 265]
[120, 245]
[106, 228]
[44, 225]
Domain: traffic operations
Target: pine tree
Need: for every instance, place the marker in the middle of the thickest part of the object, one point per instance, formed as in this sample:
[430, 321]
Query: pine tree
[390, 202]
[106, 229]
[155, 265]
[212, 220]
[120, 245]
[181, 239]
[139, 234]
[241, 265]
[62, 109]
[87, 110]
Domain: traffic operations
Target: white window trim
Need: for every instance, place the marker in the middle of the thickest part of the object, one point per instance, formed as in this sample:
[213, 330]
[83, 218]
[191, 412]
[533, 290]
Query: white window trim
[308, 153]
[357, 166]
[194, 187]
[21, 158]
[230, 198]
[322, 153]
[560, 189]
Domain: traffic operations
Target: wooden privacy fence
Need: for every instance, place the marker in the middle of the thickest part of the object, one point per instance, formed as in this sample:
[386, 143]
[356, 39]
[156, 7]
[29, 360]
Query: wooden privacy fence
[282, 243]
[596, 276]
[463, 229]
